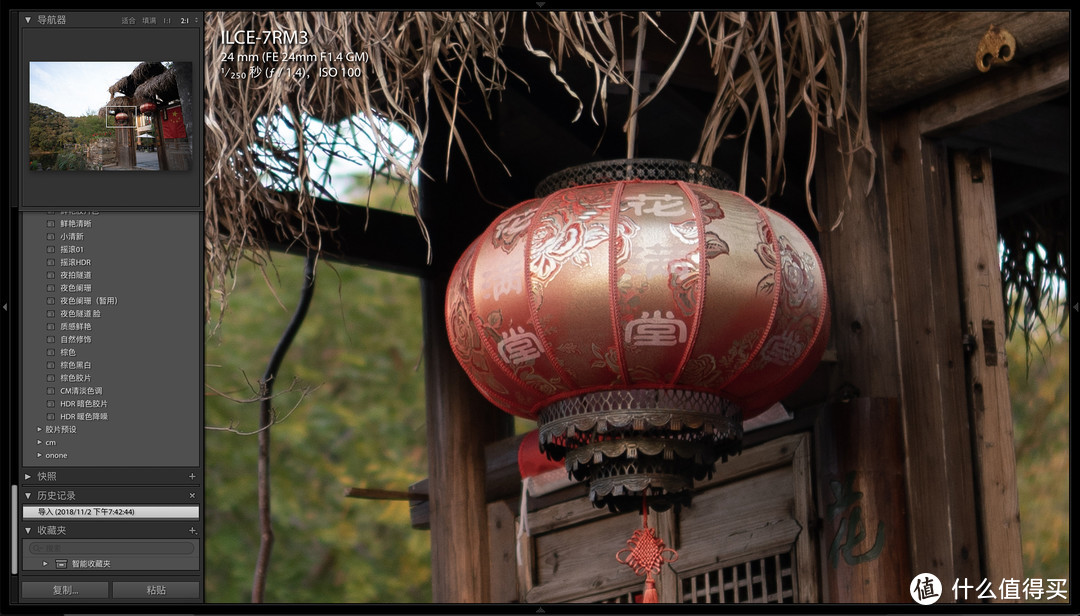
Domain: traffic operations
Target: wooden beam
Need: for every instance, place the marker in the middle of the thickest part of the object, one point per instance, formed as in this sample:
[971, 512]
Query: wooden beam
[988, 375]
[940, 484]
[359, 236]
[911, 54]
[1032, 139]
[381, 494]
[459, 423]
[999, 93]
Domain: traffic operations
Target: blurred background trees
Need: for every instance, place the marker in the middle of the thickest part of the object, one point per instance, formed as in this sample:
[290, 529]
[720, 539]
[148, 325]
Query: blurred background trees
[1039, 392]
[350, 410]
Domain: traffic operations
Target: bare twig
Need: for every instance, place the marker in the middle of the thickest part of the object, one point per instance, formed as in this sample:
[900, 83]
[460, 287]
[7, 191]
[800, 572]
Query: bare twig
[233, 425]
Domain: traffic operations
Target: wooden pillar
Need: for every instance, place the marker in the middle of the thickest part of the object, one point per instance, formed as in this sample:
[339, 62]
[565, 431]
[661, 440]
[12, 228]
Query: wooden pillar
[940, 485]
[988, 377]
[460, 421]
[863, 502]
[859, 437]
[125, 144]
[159, 141]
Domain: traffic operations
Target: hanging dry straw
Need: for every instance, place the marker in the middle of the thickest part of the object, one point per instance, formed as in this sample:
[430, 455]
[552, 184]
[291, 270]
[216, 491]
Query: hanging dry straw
[145, 71]
[767, 66]
[160, 88]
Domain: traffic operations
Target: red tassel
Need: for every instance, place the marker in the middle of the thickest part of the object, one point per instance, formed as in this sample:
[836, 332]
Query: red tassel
[650, 596]
[645, 552]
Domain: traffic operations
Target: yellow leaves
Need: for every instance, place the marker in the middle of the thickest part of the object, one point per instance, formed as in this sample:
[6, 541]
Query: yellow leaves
[1040, 402]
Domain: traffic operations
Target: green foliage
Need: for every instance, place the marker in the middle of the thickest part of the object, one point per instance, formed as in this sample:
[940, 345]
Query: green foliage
[49, 129]
[72, 160]
[1040, 405]
[358, 421]
[89, 127]
[42, 160]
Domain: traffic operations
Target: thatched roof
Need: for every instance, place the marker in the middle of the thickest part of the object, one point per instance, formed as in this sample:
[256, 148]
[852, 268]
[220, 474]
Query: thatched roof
[158, 89]
[116, 101]
[765, 66]
[146, 70]
[129, 83]
[125, 85]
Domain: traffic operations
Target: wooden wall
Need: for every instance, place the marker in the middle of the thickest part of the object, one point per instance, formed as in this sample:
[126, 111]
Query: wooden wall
[913, 270]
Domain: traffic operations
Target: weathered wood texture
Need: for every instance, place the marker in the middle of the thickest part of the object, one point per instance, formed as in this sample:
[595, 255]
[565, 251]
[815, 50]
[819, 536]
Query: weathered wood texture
[856, 257]
[940, 485]
[159, 142]
[1023, 84]
[988, 376]
[125, 148]
[911, 54]
[459, 423]
[502, 537]
[178, 154]
[861, 492]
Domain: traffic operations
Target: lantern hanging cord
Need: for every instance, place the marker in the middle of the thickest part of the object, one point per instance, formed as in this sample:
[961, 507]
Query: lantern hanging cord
[266, 419]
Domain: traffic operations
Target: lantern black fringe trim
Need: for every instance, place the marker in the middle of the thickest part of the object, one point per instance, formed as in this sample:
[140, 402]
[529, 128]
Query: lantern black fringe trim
[630, 443]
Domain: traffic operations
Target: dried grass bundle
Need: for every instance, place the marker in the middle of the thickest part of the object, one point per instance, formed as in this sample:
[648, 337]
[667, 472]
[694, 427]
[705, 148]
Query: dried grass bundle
[767, 66]
[125, 85]
[1035, 269]
[160, 88]
[146, 70]
[118, 101]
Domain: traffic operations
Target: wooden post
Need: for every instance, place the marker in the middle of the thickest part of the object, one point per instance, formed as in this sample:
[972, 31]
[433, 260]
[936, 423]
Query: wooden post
[125, 144]
[856, 257]
[940, 485]
[862, 502]
[159, 142]
[460, 421]
[988, 377]
[865, 436]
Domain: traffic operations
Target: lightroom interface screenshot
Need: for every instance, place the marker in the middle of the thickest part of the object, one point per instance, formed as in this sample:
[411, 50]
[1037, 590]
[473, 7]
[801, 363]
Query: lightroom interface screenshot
[243, 372]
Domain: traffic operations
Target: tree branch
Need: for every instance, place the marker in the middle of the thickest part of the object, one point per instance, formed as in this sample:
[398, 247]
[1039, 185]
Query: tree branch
[266, 419]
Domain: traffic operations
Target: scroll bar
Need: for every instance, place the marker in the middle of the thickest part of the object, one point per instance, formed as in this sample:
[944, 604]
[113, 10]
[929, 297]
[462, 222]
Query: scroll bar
[15, 529]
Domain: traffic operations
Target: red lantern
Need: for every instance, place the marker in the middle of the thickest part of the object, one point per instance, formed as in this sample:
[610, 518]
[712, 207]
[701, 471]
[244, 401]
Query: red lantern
[121, 117]
[639, 322]
[146, 108]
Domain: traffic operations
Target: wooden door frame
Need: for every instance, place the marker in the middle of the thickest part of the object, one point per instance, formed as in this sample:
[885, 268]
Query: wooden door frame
[895, 268]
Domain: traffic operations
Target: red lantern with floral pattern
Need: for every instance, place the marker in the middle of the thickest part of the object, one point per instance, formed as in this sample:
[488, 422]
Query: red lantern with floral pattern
[639, 321]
